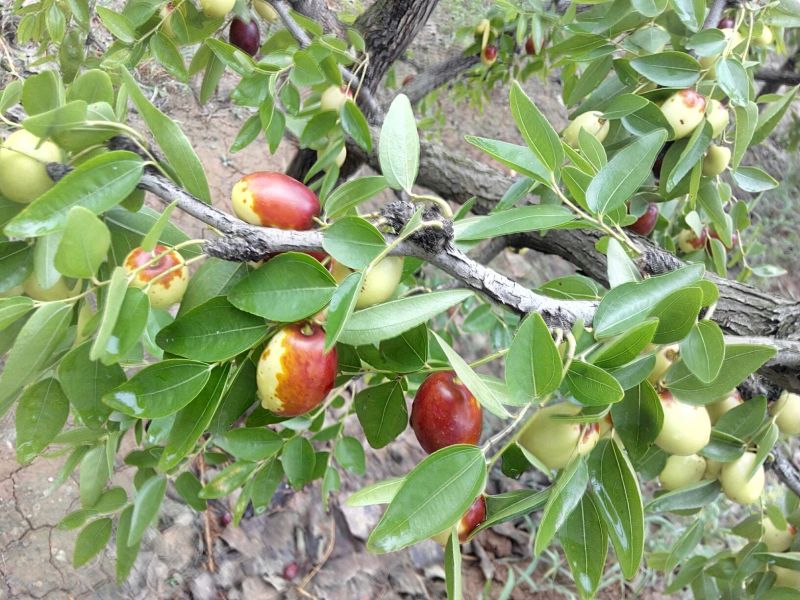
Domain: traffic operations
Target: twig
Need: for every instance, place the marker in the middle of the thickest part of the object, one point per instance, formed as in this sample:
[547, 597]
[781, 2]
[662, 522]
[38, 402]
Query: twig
[785, 469]
[201, 467]
[714, 14]
[325, 556]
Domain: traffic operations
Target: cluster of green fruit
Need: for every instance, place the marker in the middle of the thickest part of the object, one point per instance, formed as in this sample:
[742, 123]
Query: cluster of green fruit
[485, 32]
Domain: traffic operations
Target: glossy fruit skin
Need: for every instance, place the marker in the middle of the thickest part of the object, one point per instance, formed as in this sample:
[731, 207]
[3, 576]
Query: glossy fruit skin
[58, 291]
[720, 407]
[734, 238]
[786, 577]
[489, 55]
[684, 111]
[556, 442]
[645, 224]
[726, 23]
[592, 122]
[734, 482]
[245, 35]
[265, 11]
[166, 290]
[341, 157]
[787, 409]
[445, 412]
[333, 98]
[777, 540]
[23, 176]
[660, 160]
[273, 199]
[664, 359]
[718, 117]
[475, 515]
[216, 9]
[688, 241]
[681, 471]
[716, 160]
[381, 281]
[294, 374]
[686, 428]
[765, 38]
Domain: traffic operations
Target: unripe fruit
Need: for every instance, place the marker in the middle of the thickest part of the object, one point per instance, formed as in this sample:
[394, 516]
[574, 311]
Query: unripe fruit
[720, 407]
[294, 373]
[786, 577]
[713, 468]
[333, 98]
[688, 241]
[274, 200]
[684, 111]
[445, 412]
[664, 359]
[58, 291]
[594, 124]
[23, 157]
[716, 160]
[380, 283]
[164, 290]
[686, 428]
[681, 471]
[489, 55]
[556, 442]
[735, 484]
[216, 9]
[265, 10]
[645, 224]
[787, 409]
[777, 540]
[718, 117]
[482, 26]
[765, 38]
[475, 515]
[245, 35]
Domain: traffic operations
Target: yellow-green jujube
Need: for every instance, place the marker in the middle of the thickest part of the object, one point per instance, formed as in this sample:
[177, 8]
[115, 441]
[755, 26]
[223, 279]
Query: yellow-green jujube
[777, 540]
[684, 111]
[58, 291]
[265, 10]
[592, 122]
[720, 407]
[381, 281]
[786, 577]
[664, 359]
[716, 160]
[216, 9]
[555, 442]
[735, 482]
[787, 413]
[681, 471]
[23, 160]
[718, 117]
[686, 428]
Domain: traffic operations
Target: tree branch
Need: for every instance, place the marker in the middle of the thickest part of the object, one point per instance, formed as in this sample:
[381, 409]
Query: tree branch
[438, 75]
[777, 77]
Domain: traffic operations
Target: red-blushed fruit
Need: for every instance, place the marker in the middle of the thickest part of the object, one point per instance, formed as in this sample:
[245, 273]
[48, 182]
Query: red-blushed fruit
[273, 199]
[444, 412]
[686, 428]
[530, 47]
[164, 280]
[726, 23]
[734, 238]
[475, 515]
[684, 111]
[245, 35]
[294, 374]
[489, 55]
[688, 241]
[645, 224]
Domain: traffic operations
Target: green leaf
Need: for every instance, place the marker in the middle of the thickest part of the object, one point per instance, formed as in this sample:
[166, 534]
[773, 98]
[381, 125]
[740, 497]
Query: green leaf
[740, 361]
[381, 492]
[733, 79]
[212, 332]
[638, 418]
[117, 24]
[564, 496]
[630, 304]
[41, 413]
[355, 125]
[703, 351]
[84, 245]
[617, 181]
[753, 179]
[477, 386]
[684, 545]
[746, 123]
[288, 288]
[42, 92]
[146, 506]
[668, 69]
[93, 476]
[33, 348]
[537, 217]
[452, 566]
[626, 347]
[615, 491]
[352, 193]
[16, 263]
[298, 461]
[350, 455]
[693, 153]
[214, 278]
[128, 331]
[677, 314]
[97, 185]
[167, 54]
[114, 298]
[745, 420]
[177, 148]
[193, 419]
[382, 412]
[533, 364]
[398, 148]
[160, 390]
[621, 269]
[585, 541]
[91, 541]
[353, 241]
[341, 307]
[520, 158]
[536, 130]
[769, 118]
[390, 319]
[591, 385]
[250, 443]
[126, 555]
[511, 505]
[698, 495]
[13, 308]
[189, 487]
[432, 498]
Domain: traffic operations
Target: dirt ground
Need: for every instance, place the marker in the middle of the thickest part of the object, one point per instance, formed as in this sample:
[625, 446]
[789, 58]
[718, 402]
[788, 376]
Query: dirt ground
[257, 560]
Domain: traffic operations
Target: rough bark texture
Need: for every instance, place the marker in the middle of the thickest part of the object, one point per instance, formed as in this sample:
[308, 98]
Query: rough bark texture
[438, 75]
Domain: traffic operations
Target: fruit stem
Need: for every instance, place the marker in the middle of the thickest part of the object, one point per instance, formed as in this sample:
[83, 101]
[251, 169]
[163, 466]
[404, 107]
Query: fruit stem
[444, 207]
